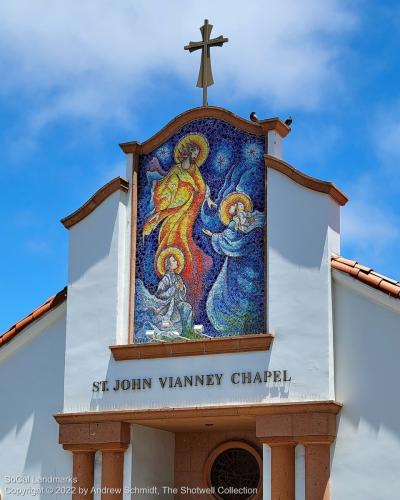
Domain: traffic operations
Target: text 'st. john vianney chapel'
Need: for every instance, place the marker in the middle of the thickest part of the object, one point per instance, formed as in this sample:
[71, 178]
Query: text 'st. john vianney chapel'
[211, 341]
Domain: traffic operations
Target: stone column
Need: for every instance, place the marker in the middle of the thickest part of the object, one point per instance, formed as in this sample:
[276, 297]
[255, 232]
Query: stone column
[84, 439]
[282, 469]
[316, 431]
[83, 472]
[112, 474]
[317, 470]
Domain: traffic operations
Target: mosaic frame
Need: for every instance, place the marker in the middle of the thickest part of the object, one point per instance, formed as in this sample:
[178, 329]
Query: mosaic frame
[223, 153]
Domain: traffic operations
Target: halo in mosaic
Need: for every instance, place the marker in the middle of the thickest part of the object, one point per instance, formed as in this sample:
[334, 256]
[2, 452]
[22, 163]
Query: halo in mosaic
[200, 235]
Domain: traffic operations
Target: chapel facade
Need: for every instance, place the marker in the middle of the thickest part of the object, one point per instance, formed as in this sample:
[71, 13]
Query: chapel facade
[211, 341]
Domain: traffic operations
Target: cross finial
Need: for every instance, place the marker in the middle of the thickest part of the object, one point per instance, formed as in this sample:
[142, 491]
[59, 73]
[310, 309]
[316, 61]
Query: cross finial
[205, 74]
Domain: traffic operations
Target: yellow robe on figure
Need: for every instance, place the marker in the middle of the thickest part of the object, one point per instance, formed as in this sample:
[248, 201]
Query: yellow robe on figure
[178, 198]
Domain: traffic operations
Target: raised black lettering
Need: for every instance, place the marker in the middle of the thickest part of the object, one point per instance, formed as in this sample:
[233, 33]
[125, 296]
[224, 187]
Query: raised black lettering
[162, 381]
[267, 376]
[210, 380]
[125, 384]
[136, 384]
[199, 380]
[147, 383]
[246, 378]
[178, 382]
[285, 376]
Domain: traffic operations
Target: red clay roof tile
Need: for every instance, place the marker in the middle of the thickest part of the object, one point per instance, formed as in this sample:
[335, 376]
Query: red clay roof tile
[50, 304]
[363, 268]
[367, 275]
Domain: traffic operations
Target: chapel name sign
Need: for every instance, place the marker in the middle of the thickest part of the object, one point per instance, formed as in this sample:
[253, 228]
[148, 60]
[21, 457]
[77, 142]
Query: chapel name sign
[188, 381]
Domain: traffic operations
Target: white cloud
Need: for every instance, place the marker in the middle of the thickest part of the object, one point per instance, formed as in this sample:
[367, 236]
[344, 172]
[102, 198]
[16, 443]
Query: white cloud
[387, 138]
[38, 247]
[369, 227]
[319, 141]
[108, 172]
[370, 222]
[96, 58]
[25, 218]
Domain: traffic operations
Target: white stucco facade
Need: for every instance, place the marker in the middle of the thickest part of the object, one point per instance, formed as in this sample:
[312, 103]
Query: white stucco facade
[31, 388]
[367, 449]
[335, 339]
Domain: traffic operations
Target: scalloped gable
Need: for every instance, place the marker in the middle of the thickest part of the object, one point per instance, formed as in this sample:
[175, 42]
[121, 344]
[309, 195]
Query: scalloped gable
[306, 180]
[94, 201]
[262, 127]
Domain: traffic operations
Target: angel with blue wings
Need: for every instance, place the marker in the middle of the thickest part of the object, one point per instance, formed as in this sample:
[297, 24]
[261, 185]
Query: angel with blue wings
[235, 303]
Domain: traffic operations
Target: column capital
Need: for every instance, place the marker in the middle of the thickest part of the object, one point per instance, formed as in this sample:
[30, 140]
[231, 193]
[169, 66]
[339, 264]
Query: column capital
[86, 437]
[316, 440]
[304, 428]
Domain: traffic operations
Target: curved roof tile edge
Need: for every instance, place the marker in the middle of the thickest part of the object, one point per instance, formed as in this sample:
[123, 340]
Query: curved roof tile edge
[51, 303]
[94, 201]
[367, 275]
[259, 128]
[306, 180]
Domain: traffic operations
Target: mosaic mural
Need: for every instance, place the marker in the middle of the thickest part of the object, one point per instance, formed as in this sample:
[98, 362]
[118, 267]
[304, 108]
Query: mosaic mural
[200, 233]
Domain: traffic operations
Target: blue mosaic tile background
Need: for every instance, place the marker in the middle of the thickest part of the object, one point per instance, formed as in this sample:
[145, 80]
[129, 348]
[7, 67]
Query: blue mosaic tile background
[235, 163]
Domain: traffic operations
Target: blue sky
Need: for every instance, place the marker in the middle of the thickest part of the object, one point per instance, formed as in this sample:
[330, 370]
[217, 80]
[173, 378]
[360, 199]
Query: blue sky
[79, 77]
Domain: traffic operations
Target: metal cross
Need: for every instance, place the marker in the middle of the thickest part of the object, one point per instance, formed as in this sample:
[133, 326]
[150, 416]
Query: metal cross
[205, 74]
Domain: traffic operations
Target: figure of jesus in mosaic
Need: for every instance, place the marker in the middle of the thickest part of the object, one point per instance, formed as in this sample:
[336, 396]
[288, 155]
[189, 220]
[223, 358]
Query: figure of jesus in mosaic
[178, 198]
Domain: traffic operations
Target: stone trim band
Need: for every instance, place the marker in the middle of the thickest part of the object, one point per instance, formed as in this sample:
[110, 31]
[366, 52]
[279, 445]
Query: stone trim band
[224, 411]
[244, 343]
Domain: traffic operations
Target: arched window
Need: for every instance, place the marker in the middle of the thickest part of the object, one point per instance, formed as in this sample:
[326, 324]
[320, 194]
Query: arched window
[234, 471]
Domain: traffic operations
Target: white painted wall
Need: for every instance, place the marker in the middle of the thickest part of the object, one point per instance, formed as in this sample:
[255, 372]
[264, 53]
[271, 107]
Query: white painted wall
[366, 454]
[303, 231]
[98, 459]
[300, 473]
[31, 392]
[275, 144]
[97, 292]
[266, 472]
[153, 461]
[128, 456]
